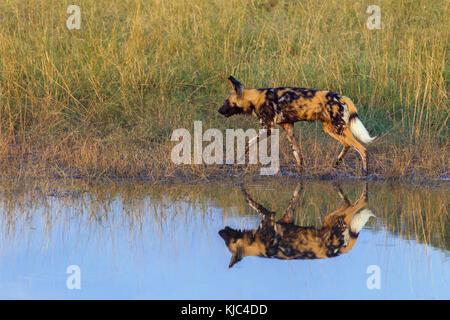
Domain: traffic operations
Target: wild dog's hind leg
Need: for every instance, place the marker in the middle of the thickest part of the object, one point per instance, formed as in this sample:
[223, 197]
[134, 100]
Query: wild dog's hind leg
[341, 155]
[255, 205]
[345, 202]
[289, 128]
[357, 205]
[352, 142]
[347, 140]
[328, 128]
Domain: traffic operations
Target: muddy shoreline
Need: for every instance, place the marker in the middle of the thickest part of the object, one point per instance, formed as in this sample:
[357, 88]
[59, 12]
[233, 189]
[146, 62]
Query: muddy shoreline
[234, 173]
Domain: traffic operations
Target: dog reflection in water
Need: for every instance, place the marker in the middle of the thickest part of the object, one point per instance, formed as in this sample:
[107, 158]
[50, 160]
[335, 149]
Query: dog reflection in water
[283, 239]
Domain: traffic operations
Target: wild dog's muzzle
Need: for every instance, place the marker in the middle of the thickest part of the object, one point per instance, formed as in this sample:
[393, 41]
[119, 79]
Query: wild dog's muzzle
[225, 110]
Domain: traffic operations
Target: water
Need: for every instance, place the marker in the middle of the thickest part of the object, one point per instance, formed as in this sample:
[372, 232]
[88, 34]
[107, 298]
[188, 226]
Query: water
[135, 240]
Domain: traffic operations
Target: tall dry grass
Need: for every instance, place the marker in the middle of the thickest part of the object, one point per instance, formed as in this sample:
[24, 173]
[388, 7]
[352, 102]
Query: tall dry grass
[104, 100]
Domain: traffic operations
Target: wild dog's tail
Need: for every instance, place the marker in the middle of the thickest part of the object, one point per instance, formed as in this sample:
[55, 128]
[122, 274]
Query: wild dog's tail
[359, 220]
[356, 125]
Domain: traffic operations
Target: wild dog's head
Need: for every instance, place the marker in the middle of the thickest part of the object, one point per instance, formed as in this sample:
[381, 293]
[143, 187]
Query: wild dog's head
[237, 102]
[241, 244]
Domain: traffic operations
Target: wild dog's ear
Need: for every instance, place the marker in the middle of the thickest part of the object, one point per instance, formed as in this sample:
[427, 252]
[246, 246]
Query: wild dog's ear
[236, 85]
[225, 234]
[229, 234]
[237, 256]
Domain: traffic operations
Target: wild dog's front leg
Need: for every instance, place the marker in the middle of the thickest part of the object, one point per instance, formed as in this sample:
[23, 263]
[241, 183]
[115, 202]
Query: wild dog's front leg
[255, 205]
[289, 128]
[260, 137]
[288, 216]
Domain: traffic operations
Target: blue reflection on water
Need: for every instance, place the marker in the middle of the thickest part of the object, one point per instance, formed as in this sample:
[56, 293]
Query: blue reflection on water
[174, 252]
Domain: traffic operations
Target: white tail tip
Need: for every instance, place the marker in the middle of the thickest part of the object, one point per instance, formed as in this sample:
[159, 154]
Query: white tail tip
[359, 131]
[359, 220]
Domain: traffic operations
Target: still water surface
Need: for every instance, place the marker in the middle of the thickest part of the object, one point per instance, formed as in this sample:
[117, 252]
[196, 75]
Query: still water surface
[139, 241]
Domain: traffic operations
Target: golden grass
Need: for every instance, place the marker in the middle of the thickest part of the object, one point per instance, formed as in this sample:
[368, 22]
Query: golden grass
[103, 100]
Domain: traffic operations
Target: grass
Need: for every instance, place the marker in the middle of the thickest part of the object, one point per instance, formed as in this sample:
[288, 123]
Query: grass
[103, 100]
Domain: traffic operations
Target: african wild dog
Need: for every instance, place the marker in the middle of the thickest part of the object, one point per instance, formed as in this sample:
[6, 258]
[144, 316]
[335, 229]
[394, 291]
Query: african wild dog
[287, 105]
[285, 240]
